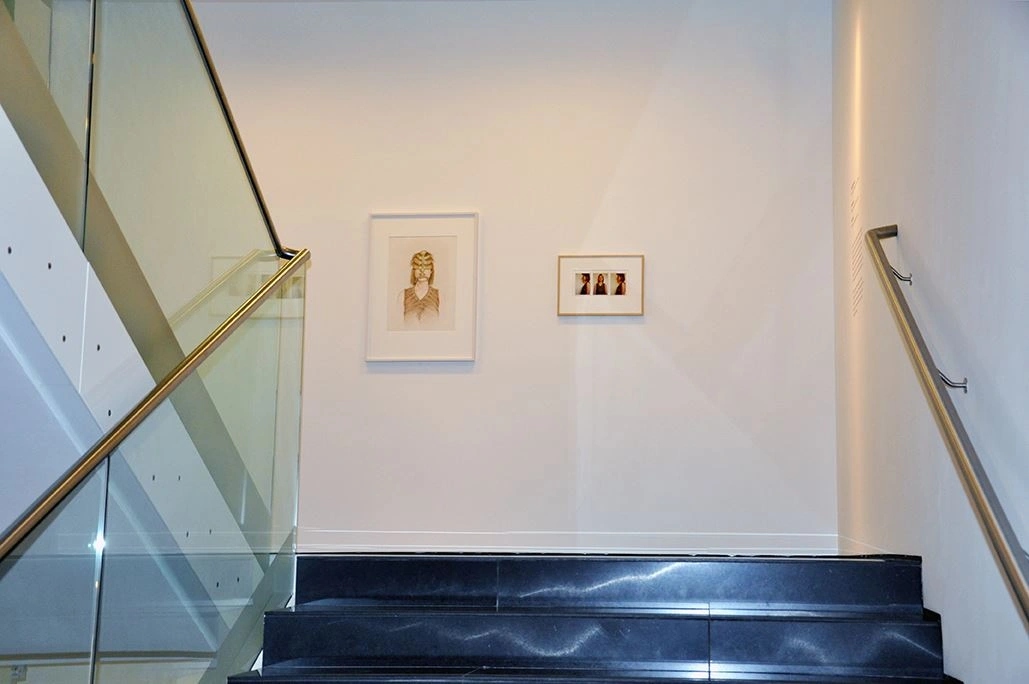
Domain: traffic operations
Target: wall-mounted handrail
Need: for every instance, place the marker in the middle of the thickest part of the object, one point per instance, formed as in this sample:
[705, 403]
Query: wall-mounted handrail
[900, 276]
[1009, 552]
[109, 442]
[954, 384]
[205, 56]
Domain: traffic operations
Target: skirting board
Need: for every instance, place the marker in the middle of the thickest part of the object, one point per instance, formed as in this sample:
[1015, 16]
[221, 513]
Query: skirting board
[313, 540]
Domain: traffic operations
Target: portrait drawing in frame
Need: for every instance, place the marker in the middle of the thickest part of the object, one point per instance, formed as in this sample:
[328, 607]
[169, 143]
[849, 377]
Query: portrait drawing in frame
[422, 287]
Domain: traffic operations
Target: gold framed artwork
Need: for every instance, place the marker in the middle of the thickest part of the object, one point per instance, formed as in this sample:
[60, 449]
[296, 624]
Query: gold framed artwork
[422, 287]
[600, 285]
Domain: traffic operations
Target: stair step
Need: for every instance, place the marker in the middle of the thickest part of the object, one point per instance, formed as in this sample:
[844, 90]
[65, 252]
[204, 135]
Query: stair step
[299, 674]
[741, 649]
[813, 585]
[512, 619]
[680, 645]
[471, 640]
[357, 607]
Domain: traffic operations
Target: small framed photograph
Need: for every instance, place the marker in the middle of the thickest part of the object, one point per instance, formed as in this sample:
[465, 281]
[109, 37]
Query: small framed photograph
[235, 279]
[422, 287]
[600, 285]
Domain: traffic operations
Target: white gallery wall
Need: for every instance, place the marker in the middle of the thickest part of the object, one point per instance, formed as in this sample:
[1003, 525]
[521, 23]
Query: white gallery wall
[931, 101]
[696, 133]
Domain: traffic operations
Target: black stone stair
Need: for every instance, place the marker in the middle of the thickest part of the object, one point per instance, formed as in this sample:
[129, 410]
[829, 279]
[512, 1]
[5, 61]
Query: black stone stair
[447, 618]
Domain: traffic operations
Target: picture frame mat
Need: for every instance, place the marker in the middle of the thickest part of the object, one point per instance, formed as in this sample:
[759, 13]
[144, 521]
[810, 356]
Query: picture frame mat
[456, 344]
[571, 304]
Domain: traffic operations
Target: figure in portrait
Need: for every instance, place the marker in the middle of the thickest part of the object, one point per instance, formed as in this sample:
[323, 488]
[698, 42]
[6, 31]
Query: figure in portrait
[600, 288]
[584, 289]
[620, 287]
[421, 300]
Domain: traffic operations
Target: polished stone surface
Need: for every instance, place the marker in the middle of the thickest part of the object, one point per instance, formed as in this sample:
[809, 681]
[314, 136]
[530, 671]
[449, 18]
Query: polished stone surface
[477, 675]
[721, 585]
[426, 638]
[490, 675]
[531, 618]
[724, 585]
[429, 580]
[895, 649]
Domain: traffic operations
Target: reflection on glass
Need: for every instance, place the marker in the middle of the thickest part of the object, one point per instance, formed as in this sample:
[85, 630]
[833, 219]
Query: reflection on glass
[199, 543]
[48, 591]
[167, 176]
[46, 46]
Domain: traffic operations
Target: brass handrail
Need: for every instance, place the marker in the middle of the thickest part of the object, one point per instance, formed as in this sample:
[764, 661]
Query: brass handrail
[1009, 552]
[109, 442]
[219, 92]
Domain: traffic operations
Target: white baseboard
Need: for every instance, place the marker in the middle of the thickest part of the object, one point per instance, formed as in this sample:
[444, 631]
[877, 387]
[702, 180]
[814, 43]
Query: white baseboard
[315, 540]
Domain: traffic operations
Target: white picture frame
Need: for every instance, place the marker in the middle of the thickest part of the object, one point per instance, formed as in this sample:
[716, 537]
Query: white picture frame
[600, 285]
[422, 286]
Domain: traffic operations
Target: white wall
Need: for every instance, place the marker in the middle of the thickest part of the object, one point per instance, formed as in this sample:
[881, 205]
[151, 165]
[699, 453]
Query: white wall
[697, 133]
[931, 101]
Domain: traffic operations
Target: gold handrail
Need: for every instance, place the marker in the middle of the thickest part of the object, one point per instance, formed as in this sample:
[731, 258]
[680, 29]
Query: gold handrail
[987, 506]
[109, 442]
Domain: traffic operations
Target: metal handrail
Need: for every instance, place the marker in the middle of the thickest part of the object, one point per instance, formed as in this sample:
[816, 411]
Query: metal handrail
[216, 82]
[109, 442]
[1008, 551]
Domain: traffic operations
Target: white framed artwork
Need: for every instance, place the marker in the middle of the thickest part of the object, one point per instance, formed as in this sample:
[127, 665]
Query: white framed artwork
[600, 285]
[422, 283]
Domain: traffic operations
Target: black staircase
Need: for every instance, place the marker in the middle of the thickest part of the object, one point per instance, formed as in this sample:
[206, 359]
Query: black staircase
[471, 618]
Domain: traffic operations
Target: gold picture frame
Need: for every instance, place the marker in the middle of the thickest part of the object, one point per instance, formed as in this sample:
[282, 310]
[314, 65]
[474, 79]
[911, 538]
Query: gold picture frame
[600, 284]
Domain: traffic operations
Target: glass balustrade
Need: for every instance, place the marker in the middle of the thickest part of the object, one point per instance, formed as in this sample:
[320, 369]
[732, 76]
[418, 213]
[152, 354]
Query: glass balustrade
[166, 176]
[187, 573]
[161, 563]
[44, 87]
[49, 589]
[148, 571]
[140, 156]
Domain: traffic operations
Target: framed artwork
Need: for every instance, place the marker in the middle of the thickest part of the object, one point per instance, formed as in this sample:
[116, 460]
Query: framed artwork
[600, 285]
[422, 284]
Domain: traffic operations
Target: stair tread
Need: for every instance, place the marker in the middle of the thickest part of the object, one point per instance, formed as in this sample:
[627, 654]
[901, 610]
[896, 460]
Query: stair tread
[714, 610]
[286, 672]
[618, 557]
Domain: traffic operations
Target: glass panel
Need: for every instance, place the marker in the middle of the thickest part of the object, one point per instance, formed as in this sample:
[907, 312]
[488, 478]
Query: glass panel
[285, 476]
[167, 177]
[188, 573]
[32, 19]
[46, 48]
[48, 592]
